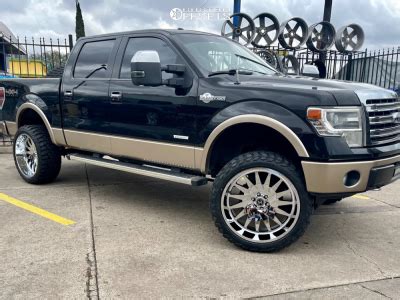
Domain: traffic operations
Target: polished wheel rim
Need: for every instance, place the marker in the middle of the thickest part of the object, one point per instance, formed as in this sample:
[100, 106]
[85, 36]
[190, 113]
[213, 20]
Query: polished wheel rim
[26, 155]
[260, 205]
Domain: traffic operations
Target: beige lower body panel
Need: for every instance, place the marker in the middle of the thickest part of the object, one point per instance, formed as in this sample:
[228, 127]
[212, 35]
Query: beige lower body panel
[328, 178]
[58, 136]
[150, 151]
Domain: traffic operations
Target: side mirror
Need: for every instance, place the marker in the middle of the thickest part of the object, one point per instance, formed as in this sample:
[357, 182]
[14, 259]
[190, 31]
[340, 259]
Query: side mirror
[310, 71]
[146, 68]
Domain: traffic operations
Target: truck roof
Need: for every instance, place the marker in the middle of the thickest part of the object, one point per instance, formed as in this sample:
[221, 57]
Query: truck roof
[159, 31]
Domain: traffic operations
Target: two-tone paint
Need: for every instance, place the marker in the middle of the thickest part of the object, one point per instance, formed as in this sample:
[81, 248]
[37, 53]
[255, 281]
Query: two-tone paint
[156, 125]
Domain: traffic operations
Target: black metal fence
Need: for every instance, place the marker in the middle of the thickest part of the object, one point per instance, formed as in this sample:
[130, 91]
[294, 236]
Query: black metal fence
[381, 67]
[32, 58]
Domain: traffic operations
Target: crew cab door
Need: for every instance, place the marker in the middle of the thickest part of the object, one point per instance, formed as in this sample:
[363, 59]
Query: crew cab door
[155, 123]
[85, 94]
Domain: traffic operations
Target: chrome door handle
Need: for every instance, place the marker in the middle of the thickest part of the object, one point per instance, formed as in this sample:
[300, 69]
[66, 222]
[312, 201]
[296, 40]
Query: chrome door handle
[67, 93]
[116, 97]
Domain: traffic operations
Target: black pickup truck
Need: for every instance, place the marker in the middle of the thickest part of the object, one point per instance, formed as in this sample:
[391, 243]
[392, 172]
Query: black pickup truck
[193, 108]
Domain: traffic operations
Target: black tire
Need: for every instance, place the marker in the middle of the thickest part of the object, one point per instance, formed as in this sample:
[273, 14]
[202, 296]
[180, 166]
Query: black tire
[332, 201]
[269, 160]
[48, 155]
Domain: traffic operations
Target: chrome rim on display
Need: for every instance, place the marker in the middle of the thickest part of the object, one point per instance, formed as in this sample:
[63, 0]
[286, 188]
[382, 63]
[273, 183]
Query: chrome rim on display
[349, 38]
[269, 57]
[291, 65]
[260, 205]
[293, 33]
[26, 155]
[321, 36]
[266, 28]
[244, 31]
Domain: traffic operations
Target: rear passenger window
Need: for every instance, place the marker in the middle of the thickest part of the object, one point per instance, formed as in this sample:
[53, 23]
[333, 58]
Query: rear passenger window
[167, 55]
[93, 60]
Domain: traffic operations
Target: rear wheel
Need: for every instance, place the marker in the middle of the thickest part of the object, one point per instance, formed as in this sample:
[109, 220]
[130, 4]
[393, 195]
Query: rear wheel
[259, 202]
[37, 159]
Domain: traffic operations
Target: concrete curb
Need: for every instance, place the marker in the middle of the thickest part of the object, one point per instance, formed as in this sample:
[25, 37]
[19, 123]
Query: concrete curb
[6, 149]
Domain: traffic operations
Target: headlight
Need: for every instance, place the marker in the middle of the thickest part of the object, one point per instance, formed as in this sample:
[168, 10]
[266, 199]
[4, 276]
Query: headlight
[344, 122]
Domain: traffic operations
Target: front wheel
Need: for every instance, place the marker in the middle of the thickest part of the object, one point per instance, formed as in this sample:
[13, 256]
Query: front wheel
[259, 202]
[37, 159]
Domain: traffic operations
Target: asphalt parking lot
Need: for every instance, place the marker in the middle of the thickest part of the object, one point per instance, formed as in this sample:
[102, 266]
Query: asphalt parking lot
[126, 236]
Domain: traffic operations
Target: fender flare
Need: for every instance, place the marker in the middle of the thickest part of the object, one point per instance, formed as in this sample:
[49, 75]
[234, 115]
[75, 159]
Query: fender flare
[41, 114]
[291, 137]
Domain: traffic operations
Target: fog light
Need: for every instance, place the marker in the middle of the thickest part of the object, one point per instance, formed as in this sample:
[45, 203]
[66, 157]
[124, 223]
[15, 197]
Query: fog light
[352, 178]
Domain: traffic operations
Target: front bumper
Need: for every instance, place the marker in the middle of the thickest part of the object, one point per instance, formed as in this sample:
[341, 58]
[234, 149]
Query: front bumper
[350, 177]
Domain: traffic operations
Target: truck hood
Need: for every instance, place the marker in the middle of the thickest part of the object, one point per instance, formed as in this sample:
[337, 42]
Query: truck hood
[344, 92]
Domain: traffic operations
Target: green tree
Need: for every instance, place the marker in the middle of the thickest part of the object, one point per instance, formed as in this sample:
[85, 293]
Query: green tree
[79, 25]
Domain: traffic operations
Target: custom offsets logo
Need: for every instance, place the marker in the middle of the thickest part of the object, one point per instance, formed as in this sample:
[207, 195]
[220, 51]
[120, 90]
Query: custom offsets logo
[182, 14]
[207, 98]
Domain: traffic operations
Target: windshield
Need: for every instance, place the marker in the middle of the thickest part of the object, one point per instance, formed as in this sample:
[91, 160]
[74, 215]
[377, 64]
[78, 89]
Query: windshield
[215, 54]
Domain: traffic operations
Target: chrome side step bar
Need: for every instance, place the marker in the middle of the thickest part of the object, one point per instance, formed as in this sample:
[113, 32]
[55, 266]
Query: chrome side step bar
[140, 170]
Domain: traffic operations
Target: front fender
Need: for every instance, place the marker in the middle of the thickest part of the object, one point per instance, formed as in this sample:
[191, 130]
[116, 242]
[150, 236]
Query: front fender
[299, 133]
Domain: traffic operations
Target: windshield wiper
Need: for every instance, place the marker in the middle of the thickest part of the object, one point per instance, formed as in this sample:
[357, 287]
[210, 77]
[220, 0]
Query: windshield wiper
[231, 72]
[254, 61]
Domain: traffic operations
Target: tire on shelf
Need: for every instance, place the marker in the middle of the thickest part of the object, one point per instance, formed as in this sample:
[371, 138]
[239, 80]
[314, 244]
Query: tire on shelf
[269, 56]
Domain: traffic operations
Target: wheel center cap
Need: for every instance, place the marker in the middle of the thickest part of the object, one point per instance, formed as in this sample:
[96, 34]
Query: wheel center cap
[260, 201]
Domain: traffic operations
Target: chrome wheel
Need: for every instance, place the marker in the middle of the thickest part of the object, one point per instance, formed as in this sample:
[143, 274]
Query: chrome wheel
[26, 155]
[260, 205]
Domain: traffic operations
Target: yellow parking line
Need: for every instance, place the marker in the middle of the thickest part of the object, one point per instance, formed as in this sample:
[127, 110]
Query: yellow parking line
[36, 210]
[360, 197]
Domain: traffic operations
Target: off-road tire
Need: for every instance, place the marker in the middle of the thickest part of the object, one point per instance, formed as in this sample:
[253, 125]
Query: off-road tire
[49, 156]
[263, 159]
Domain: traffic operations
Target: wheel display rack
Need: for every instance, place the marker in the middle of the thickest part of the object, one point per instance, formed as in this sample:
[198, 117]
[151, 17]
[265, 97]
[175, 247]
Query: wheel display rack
[280, 44]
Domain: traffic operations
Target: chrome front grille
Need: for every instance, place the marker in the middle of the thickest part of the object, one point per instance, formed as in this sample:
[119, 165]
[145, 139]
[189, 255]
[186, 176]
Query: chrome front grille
[384, 120]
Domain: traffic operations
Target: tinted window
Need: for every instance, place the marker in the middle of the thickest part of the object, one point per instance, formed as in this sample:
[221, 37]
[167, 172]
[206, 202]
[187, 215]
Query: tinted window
[167, 55]
[215, 53]
[93, 59]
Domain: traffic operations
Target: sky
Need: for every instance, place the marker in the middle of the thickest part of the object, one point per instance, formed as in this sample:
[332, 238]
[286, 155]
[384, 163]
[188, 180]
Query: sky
[380, 19]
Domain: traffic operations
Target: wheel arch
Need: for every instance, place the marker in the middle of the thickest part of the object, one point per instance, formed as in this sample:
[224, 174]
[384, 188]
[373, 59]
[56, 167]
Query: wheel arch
[261, 120]
[29, 108]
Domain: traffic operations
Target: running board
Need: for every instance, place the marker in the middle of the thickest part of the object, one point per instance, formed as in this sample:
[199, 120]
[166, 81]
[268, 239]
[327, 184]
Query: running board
[155, 172]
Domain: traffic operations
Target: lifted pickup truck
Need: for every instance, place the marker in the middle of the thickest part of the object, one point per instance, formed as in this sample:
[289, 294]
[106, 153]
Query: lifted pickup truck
[193, 107]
